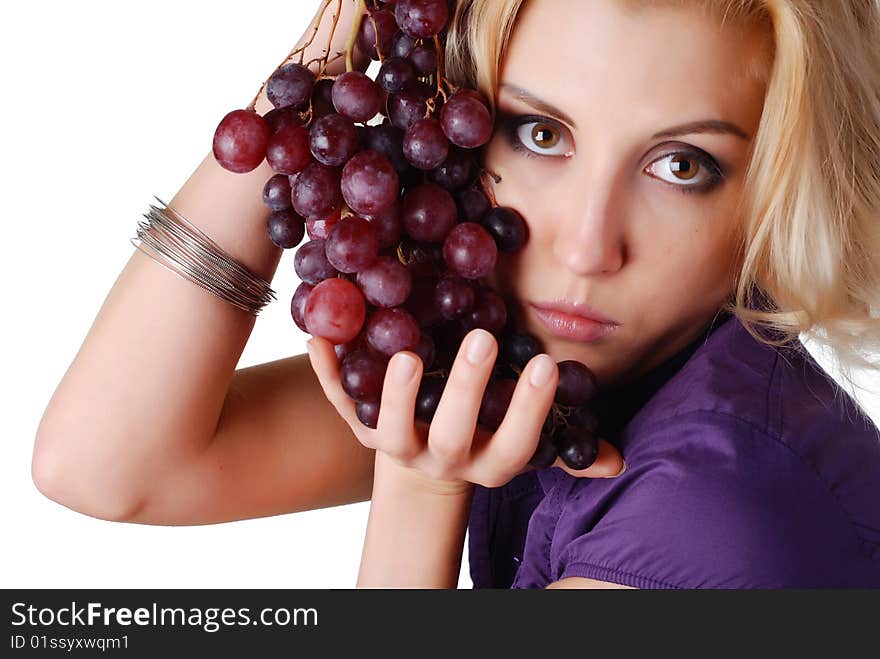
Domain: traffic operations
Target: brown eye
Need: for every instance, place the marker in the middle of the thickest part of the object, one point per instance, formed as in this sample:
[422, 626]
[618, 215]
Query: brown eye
[684, 168]
[545, 136]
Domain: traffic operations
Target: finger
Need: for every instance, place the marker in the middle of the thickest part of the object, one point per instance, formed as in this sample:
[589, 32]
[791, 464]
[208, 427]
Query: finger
[608, 464]
[325, 364]
[396, 434]
[515, 440]
[454, 422]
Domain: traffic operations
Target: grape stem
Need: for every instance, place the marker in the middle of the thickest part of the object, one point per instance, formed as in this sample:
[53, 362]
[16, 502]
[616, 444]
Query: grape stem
[360, 9]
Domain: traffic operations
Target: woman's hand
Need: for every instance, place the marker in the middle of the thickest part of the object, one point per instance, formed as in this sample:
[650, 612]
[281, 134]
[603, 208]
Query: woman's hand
[454, 451]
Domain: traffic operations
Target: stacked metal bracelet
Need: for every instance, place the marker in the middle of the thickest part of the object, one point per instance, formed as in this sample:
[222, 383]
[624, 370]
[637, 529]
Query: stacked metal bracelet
[183, 248]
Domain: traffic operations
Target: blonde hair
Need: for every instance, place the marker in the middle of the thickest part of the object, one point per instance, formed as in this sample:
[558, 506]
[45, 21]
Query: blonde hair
[810, 234]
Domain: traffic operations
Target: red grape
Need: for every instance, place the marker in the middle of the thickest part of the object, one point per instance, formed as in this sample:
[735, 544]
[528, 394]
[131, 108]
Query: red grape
[356, 96]
[428, 213]
[288, 150]
[352, 245]
[240, 141]
[291, 85]
[425, 145]
[466, 121]
[369, 183]
[470, 251]
[391, 330]
[316, 193]
[333, 140]
[335, 310]
[362, 374]
[286, 229]
[385, 283]
[421, 18]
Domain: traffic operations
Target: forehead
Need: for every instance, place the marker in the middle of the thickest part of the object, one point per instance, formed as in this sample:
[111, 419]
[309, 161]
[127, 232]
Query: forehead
[603, 60]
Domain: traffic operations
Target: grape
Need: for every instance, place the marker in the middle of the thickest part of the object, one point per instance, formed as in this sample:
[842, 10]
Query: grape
[320, 229]
[428, 398]
[456, 171]
[385, 283]
[276, 193]
[424, 144]
[424, 59]
[453, 297]
[362, 375]
[391, 330]
[291, 85]
[387, 140]
[545, 453]
[288, 150]
[428, 213]
[383, 23]
[281, 117]
[388, 227]
[286, 229]
[577, 384]
[421, 18]
[367, 413]
[466, 121]
[342, 350]
[488, 312]
[352, 245]
[369, 183]
[322, 98]
[316, 193]
[240, 141]
[507, 227]
[584, 417]
[311, 264]
[426, 350]
[355, 96]
[333, 140]
[404, 109]
[470, 251]
[496, 400]
[396, 74]
[422, 259]
[578, 448]
[519, 347]
[403, 44]
[335, 310]
[421, 301]
[472, 205]
[298, 304]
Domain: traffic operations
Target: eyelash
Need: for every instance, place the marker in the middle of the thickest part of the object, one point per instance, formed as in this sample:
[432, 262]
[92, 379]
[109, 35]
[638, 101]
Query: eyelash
[716, 172]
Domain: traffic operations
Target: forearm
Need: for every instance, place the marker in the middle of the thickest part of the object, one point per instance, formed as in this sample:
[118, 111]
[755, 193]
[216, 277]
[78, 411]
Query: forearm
[415, 531]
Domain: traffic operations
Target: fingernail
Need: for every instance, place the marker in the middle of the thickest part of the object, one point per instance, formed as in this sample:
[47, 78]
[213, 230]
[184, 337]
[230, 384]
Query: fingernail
[403, 367]
[542, 370]
[478, 348]
[619, 473]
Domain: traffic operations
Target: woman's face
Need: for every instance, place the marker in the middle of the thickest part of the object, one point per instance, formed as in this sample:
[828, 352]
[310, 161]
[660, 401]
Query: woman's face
[624, 214]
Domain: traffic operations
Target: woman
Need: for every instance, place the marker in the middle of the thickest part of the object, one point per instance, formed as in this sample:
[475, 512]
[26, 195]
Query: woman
[734, 472]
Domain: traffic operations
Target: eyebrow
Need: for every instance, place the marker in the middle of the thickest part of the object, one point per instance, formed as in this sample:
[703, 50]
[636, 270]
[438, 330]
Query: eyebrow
[692, 127]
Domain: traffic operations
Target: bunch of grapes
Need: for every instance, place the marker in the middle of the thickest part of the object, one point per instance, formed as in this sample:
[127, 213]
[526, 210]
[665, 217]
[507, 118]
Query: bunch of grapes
[402, 233]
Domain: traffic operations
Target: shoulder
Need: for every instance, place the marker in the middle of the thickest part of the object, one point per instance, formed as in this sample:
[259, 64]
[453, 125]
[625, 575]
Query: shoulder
[709, 501]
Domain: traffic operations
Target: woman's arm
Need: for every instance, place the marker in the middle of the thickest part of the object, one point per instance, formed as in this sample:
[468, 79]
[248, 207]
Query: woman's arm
[415, 532]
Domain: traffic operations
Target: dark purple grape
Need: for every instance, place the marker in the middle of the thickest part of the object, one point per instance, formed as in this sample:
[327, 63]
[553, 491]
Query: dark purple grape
[391, 330]
[335, 310]
[421, 18]
[282, 117]
[453, 297]
[311, 264]
[343, 350]
[424, 58]
[422, 259]
[291, 85]
[362, 375]
[577, 384]
[578, 448]
[276, 193]
[496, 400]
[470, 251]
[356, 96]
[518, 348]
[428, 213]
[507, 227]
[316, 193]
[240, 141]
[466, 121]
[369, 183]
[298, 304]
[322, 98]
[428, 398]
[285, 228]
[388, 227]
[472, 205]
[405, 109]
[456, 171]
[403, 44]
[387, 140]
[368, 413]
[352, 245]
[425, 350]
[545, 453]
[385, 283]
[421, 302]
[396, 74]
[424, 144]
[288, 150]
[333, 140]
[489, 312]
[584, 417]
[383, 23]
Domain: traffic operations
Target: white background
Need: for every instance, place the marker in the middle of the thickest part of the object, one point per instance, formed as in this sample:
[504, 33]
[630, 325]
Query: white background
[105, 104]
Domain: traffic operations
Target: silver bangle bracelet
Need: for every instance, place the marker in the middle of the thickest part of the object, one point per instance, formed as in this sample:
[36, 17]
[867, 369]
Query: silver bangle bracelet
[170, 239]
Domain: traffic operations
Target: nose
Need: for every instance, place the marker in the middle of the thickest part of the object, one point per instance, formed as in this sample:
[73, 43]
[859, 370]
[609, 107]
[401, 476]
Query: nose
[589, 240]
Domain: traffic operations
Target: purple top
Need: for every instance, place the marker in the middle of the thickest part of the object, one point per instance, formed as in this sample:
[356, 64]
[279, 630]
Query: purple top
[746, 468]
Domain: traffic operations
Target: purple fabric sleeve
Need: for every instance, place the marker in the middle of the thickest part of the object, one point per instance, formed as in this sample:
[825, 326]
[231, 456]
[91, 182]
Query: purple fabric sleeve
[707, 501]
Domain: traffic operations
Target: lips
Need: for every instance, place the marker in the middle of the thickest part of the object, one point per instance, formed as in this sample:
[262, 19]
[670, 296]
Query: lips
[568, 326]
[577, 309]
